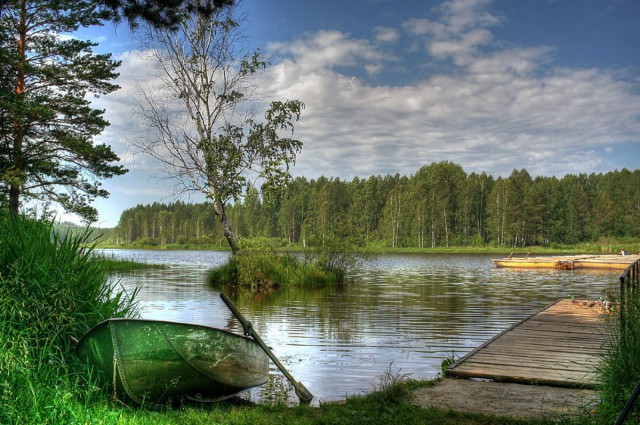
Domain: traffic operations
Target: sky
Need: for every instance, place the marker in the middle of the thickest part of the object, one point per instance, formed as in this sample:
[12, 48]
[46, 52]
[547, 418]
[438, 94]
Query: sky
[551, 86]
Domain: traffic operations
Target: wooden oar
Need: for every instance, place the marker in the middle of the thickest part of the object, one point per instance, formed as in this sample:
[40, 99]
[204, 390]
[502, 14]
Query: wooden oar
[302, 392]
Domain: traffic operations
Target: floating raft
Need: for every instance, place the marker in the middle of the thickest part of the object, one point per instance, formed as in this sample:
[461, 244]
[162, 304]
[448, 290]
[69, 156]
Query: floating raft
[561, 345]
[568, 262]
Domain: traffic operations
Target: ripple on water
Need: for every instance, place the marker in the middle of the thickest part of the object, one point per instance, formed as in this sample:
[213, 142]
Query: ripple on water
[408, 311]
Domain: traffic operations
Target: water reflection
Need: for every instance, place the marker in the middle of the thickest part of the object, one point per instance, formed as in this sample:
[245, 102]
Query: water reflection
[409, 310]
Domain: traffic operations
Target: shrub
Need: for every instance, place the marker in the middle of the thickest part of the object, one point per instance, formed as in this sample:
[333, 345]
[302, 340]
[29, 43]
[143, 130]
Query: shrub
[258, 266]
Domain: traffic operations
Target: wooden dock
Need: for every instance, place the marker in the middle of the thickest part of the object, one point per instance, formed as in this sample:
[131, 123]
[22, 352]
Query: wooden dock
[559, 346]
[568, 262]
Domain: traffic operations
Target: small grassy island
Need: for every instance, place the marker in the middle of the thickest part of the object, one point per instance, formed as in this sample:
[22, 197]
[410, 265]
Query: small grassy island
[259, 266]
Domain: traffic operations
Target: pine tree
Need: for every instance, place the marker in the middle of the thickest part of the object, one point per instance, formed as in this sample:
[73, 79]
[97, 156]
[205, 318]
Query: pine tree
[47, 124]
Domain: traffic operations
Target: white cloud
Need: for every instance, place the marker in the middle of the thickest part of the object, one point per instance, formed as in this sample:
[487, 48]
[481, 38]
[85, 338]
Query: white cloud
[459, 33]
[487, 105]
[462, 49]
[461, 15]
[386, 34]
[498, 109]
[326, 49]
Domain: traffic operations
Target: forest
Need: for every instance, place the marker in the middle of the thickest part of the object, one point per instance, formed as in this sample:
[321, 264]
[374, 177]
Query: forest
[439, 206]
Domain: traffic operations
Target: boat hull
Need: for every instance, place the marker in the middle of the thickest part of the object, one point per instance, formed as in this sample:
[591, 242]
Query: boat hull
[154, 361]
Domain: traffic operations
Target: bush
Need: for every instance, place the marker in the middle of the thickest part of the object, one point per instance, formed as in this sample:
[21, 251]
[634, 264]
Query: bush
[225, 274]
[338, 256]
[53, 287]
[146, 242]
[258, 266]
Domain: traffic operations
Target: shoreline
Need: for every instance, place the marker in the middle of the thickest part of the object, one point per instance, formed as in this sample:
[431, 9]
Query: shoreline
[568, 250]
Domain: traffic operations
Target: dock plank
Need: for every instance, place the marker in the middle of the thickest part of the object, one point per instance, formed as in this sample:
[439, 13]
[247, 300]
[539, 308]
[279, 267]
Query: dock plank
[561, 345]
[568, 262]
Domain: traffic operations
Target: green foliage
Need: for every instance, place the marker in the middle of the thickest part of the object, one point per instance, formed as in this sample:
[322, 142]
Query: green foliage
[413, 212]
[258, 267]
[446, 363]
[225, 274]
[257, 264]
[161, 14]
[391, 386]
[336, 255]
[214, 143]
[47, 123]
[50, 288]
[620, 370]
[111, 263]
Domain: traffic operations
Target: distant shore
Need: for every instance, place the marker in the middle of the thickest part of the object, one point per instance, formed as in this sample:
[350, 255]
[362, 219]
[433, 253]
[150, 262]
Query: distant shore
[568, 249]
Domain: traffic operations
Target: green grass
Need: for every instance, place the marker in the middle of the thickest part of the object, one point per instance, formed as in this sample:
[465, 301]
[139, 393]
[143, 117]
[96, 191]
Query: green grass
[114, 264]
[259, 266]
[162, 247]
[50, 288]
[355, 411]
[620, 371]
[260, 271]
[632, 247]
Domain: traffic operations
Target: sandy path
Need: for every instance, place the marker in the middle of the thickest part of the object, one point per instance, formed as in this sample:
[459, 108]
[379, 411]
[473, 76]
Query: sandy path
[506, 399]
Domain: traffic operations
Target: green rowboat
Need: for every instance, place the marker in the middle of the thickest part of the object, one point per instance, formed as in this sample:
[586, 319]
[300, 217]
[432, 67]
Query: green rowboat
[153, 361]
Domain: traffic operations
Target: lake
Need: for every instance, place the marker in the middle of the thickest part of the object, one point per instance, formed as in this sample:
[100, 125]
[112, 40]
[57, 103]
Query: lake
[408, 312]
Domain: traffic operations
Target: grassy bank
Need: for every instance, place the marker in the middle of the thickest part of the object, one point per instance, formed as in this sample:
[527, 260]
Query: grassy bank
[166, 247]
[355, 411]
[50, 288]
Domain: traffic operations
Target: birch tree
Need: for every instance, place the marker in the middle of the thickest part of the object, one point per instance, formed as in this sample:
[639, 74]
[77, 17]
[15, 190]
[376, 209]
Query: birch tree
[201, 110]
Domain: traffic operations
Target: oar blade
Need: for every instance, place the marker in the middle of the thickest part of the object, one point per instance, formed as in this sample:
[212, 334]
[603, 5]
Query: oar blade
[302, 392]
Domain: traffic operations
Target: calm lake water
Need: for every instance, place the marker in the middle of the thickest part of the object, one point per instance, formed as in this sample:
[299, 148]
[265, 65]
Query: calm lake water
[407, 312]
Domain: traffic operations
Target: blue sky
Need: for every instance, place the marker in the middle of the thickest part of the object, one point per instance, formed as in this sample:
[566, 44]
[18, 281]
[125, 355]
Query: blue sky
[552, 86]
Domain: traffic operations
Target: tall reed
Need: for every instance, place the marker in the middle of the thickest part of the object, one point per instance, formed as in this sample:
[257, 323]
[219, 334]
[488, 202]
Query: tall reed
[50, 288]
[620, 370]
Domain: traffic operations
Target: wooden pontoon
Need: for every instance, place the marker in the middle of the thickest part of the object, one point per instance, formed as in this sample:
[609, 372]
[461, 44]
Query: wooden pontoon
[561, 345]
[568, 262]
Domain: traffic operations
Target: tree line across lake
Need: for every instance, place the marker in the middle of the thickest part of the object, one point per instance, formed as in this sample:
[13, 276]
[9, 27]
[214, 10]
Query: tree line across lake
[438, 206]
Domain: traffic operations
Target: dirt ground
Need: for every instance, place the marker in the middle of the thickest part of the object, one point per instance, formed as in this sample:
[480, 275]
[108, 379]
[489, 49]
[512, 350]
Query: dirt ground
[506, 399]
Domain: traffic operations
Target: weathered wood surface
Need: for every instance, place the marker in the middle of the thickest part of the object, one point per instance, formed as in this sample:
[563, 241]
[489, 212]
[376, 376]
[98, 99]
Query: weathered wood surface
[561, 345]
[568, 262]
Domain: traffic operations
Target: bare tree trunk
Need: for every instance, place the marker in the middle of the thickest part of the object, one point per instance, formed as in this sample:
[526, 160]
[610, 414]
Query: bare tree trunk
[446, 226]
[227, 230]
